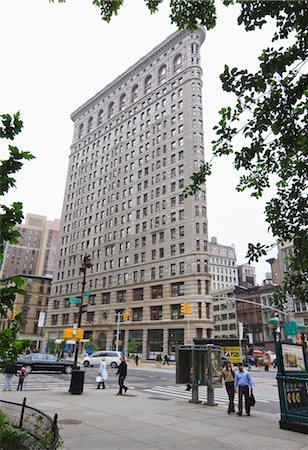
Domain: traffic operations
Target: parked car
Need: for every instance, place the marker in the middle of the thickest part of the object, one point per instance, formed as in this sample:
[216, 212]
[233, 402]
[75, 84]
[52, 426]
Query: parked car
[112, 359]
[45, 361]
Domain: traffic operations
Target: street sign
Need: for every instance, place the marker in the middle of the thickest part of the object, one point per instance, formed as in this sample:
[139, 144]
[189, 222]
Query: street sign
[84, 308]
[290, 328]
[74, 300]
[87, 294]
[41, 319]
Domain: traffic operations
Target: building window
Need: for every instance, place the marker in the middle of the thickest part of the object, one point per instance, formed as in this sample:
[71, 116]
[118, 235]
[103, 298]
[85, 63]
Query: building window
[137, 314]
[157, 291]
[162, 74]
[90, 124]
[134, 93]
[121, 296]
[56, 304]
[199, 287]
[156, 312]
[122, 102]
[148, 84]
[176, 312]
[177, 63]
[138, 294]
[111, 110]
[54, 319]
[106, 298]
[173, 269]
[65, 319]
[80, 134]
[100, 117]
[177, 289]
[90, 316]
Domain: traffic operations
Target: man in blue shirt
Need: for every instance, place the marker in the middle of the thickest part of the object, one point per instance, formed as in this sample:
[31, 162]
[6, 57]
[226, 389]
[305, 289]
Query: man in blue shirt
[243, 382]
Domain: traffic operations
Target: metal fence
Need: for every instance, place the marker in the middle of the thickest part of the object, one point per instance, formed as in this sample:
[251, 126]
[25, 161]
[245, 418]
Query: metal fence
[41, 427]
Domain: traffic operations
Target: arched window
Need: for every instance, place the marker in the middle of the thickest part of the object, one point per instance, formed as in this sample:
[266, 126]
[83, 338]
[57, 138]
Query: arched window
[111, 110]
[122, 102]
[80, 131]
[148, 84]
[100, 117]
[90, 124]
[177, 64]
[135, 93]
[162, 74]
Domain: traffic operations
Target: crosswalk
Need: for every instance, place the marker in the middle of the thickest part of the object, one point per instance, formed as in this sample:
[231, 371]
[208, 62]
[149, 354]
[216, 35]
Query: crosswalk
[262, 394]
[39, 382]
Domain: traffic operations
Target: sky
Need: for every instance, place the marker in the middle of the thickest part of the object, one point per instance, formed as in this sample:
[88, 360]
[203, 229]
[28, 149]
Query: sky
[54, 57]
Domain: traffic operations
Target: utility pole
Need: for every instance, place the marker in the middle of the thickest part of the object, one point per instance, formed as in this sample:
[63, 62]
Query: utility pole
[118, 331]
[86, 264]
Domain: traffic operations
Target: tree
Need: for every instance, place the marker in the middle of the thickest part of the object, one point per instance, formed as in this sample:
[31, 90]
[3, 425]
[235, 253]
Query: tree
[92, 345]
[132, 348]
[10, 347]
[274, 152]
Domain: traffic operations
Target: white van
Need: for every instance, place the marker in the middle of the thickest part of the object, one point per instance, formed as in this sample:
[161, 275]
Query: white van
[112, 359]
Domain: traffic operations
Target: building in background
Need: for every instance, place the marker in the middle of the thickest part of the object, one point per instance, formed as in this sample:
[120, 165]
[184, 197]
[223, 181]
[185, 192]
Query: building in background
[32, 307]
[275, 270]
[135, 145]
[247, 275]
[223, 266]
[224, 313]
[35, 252]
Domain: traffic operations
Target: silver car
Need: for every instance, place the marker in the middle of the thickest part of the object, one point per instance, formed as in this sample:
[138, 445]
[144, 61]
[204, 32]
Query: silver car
[112, 359]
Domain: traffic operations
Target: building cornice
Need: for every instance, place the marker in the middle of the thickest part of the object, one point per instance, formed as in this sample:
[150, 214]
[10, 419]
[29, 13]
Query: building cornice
[166, 44]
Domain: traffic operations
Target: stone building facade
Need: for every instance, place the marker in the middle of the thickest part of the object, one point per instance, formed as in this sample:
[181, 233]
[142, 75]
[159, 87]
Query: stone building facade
[135, 145]
[30, 306]
[35, 252]
[223, 266]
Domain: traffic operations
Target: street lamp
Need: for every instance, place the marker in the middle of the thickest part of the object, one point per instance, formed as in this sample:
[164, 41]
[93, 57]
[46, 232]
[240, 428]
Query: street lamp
[86, 264]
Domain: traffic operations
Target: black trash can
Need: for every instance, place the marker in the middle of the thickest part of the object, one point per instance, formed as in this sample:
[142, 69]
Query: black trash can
[77, 381]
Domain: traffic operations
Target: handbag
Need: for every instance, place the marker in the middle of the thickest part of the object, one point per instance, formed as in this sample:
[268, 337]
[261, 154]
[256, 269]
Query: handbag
[99, 379]
[252, 400]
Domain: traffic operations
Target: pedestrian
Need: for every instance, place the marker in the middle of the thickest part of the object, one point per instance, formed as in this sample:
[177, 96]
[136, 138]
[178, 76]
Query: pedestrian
[102, 374]
[136, 360]
[166, 359]
[227, 373]
[22, 374]
[122, 372]
[243, 382]
[9, 374]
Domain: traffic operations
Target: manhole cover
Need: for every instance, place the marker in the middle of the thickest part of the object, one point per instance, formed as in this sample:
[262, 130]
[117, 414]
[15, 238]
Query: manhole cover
[69, 422]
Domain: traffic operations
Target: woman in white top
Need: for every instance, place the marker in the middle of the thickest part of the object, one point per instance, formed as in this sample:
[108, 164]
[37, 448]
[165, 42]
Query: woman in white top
[102, 374]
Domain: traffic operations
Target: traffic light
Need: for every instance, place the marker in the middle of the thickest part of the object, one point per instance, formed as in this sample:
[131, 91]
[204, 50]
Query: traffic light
[12, 314]
[183, 308]
[126, 315]
[188, 309]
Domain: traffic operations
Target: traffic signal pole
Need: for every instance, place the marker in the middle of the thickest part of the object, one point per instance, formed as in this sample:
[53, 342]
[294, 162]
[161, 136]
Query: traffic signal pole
[118, 331]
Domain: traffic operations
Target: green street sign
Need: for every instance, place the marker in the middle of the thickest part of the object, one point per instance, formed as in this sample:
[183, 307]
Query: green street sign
[87, 294]
[74, 300]
[290, 328]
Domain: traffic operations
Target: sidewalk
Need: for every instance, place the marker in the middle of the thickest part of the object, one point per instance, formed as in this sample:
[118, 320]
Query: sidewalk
[101, 420]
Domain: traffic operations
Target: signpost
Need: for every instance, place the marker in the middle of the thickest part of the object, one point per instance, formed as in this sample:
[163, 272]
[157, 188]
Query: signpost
[290, 328]
[75, 300]
[87, 294]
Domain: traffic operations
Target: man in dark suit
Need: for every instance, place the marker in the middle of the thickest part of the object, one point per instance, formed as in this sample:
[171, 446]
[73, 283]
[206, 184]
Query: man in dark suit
[122, 372]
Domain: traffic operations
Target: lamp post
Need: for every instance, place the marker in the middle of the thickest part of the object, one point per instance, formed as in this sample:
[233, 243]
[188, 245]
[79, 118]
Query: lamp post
[86, 264]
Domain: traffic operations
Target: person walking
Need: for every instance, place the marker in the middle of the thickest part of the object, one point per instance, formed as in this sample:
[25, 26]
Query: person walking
[122, 372]
[9, 373]
[102, 374]
[243, 382]
[22, 374]
[166, 359]
[136, 360]
[227, 373]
